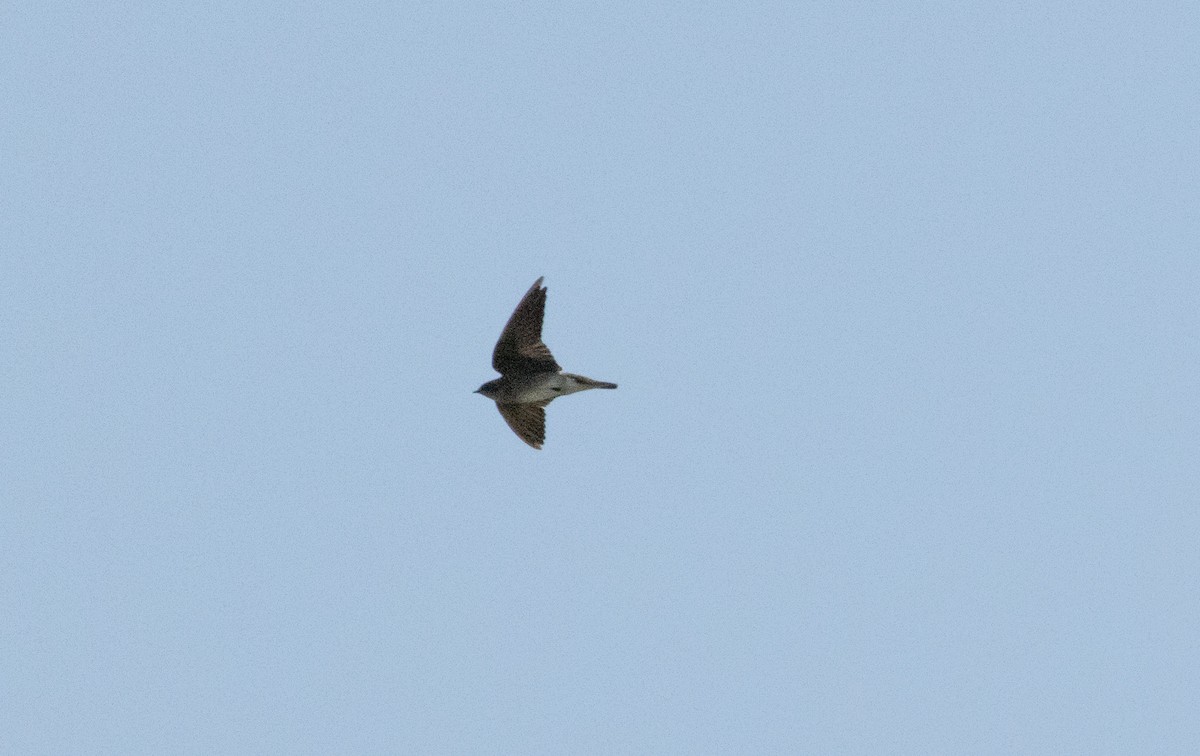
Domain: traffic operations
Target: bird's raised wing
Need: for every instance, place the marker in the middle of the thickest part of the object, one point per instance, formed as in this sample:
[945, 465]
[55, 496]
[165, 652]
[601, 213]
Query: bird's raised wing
[526, 420]
[520, 348]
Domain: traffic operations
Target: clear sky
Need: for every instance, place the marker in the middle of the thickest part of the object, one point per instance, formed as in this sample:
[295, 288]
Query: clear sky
[903, 304]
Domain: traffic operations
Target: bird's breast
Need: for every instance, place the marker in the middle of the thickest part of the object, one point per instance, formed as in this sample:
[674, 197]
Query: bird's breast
[541, 388]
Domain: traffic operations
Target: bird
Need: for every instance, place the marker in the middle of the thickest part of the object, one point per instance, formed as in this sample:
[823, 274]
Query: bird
[530, 378]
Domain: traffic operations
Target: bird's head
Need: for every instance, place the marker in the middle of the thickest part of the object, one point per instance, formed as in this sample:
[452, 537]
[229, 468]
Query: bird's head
[489, 389]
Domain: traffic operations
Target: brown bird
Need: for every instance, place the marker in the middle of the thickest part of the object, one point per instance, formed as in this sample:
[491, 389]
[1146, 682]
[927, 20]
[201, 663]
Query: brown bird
[529, 377]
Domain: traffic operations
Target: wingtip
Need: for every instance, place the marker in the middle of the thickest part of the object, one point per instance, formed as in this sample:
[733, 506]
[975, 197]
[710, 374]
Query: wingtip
[537, 287]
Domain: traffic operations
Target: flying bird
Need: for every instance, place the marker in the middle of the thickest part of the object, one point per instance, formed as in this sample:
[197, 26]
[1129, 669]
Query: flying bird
[529, 377]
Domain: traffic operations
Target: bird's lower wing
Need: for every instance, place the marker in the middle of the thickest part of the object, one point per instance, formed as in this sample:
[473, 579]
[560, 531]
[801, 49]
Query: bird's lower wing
[526, 420]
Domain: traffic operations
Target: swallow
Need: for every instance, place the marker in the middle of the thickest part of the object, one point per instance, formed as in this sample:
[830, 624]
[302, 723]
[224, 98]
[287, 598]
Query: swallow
[530, 378]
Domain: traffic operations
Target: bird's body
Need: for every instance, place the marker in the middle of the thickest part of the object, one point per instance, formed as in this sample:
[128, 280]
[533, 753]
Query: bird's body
[529, 376]
[531, 388]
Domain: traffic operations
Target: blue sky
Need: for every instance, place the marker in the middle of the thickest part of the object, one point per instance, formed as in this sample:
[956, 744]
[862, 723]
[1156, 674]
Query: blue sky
[902, 302]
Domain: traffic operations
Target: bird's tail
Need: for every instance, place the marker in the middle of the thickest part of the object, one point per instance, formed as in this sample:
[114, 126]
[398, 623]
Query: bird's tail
[589, 383]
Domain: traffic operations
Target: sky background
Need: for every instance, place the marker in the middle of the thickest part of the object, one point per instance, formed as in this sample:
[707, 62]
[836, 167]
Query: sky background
[901, 299]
